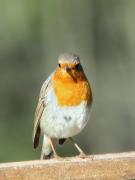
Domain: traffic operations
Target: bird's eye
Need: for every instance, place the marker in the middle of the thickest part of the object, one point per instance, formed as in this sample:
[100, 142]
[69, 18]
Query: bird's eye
[78, 66]
[59, 65]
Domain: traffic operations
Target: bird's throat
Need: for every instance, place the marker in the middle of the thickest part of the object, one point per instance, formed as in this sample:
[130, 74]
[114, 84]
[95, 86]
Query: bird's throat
[70, 92]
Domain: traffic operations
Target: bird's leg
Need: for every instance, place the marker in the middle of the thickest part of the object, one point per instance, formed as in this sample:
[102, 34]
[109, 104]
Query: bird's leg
[82, 154]
[53, 149]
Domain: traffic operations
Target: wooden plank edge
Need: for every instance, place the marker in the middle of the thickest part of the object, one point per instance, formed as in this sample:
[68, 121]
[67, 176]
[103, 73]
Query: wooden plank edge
[90, 158]
[103, 166]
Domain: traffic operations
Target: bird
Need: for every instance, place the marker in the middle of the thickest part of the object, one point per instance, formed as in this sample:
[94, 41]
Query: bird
[64, 106]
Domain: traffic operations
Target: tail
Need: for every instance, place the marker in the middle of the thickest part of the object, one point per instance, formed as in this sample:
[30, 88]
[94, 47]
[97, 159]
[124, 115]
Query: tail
[46, 152]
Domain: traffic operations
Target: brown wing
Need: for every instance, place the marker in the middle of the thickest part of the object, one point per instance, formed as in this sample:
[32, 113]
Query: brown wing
[39, 110]
[38, 114]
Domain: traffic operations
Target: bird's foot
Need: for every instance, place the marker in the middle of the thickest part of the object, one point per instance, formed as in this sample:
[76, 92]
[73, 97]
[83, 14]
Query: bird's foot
[56, 156]
[82, 155]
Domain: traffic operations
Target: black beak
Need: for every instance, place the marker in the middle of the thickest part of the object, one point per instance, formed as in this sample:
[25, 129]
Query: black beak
[68, 70]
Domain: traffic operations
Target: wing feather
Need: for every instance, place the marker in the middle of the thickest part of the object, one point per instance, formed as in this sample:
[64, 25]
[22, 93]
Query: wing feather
[39, 110]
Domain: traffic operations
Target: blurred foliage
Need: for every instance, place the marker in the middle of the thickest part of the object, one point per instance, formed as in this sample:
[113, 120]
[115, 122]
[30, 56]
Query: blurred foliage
[32, 35]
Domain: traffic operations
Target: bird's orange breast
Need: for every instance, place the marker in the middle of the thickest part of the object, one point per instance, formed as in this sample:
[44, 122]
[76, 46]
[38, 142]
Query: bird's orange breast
[70, 92]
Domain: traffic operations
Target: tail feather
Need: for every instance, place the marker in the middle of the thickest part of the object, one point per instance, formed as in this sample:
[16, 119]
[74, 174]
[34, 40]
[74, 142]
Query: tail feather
[45, 157]
[46, 152]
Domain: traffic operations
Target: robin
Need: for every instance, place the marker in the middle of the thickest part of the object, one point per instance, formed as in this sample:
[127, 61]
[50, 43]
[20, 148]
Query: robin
[64, 106]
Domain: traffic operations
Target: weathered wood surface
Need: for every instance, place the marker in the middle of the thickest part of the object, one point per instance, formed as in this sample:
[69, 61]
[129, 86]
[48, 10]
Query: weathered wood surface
[108, 166]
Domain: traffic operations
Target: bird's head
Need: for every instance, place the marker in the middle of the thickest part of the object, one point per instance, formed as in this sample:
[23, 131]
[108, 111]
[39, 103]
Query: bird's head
[70, 83]
[69, 67]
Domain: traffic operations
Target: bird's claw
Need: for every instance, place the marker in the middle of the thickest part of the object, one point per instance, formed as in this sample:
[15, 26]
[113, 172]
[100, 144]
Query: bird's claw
[82, 155]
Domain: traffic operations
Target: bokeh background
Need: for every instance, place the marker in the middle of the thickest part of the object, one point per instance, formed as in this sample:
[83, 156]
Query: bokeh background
[32, 35]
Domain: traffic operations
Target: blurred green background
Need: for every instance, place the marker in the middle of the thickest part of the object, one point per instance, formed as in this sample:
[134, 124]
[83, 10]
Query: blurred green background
[32, 35]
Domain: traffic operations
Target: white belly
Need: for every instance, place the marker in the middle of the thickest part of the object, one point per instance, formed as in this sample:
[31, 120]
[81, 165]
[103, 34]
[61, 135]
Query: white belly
[63, 122]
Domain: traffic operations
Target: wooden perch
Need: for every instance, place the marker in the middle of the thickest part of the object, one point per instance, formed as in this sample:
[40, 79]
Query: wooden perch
[107, 166]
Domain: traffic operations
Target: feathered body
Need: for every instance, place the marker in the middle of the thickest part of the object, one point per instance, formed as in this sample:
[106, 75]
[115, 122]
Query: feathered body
[64, 104]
